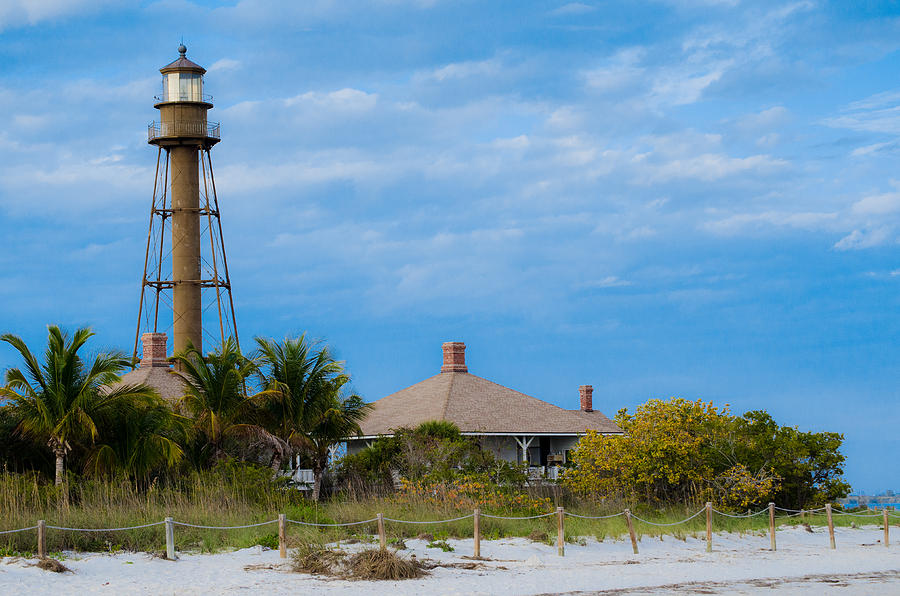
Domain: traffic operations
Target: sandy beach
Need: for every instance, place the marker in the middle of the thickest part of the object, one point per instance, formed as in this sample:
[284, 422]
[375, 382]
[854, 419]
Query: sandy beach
[739, 564]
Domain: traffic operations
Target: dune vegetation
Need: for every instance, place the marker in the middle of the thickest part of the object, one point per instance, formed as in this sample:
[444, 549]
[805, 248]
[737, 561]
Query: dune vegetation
[79, 449]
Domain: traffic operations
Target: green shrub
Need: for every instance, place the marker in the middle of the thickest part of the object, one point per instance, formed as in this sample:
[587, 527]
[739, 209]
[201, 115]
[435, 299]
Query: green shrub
[441, 544]
[269, 541]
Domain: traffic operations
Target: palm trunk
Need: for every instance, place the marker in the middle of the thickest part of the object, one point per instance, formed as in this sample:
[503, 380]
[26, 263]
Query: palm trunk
[275, 463]
[60, 459]
[317, 481]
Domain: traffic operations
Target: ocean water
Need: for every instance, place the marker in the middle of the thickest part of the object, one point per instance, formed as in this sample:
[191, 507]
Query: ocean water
[870, 505]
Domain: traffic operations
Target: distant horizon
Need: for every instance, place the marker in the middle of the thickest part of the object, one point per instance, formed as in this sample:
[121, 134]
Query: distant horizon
[694, 199]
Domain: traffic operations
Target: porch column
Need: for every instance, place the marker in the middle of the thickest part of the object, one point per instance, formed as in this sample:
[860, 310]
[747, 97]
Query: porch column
[524, 443]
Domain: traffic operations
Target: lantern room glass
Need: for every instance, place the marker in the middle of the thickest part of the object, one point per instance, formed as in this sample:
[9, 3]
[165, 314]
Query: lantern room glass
[182, 86]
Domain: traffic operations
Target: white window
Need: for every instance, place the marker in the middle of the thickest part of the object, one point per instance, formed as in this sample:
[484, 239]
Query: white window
[182, 86]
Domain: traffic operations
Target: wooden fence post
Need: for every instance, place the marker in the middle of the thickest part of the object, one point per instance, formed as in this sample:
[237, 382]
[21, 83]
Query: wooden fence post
[772, 525]
[381, 537]
[708, 527]
[477, 535]
[282, 538]
[560, 532]
[887, 525]
[42, 539]
[170, 539]
[631, 530]
[830, 525]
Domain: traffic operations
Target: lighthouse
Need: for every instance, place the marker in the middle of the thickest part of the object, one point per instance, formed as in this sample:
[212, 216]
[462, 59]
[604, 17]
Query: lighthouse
[185, 268]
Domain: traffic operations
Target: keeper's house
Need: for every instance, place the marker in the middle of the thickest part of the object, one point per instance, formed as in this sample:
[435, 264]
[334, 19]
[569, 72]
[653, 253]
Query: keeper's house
[514, 426]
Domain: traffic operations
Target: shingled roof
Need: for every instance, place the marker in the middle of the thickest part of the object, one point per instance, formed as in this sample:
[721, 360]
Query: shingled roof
[476, 405]
[182, 63]
[154, 369]
[167, 384]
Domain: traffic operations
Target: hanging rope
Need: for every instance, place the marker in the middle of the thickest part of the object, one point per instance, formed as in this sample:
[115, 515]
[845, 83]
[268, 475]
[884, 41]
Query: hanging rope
[672, 524]
[529, 517]
[439, 521]
[105, 529]
[744, 516]
[595, 516]
[265, 523]
[303, 523]
[19, 530]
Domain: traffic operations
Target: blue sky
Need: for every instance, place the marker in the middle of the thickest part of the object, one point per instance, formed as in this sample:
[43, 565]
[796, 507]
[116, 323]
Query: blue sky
[692, 198]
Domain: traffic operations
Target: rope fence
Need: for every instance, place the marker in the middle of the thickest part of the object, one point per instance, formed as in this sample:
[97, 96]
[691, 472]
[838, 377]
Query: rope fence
[159, 523]
[678, 523]
[527, 517]
[873, 514]
[595, 516]
[19, 530]
[439, 521]
[178, 523]
[742, 516]
[359, 523]
[560, 514]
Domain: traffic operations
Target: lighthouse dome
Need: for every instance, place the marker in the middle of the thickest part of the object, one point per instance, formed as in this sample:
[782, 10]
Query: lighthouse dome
[182, 79]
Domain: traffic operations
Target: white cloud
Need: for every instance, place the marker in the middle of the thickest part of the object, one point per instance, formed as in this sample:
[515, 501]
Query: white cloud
[96, 182]
[574, 151]
[858, 240]
[573, 8]
[869, 149]
[610, 281]
[30, 12]
[566, 117]
[318, 168]
[881, 204]
[224, 65]
[639, 233]
[516, 143]
[94, 250]
[346, 99]
[622, 71]
[739, 221]
[682, 3]
[715, 166]
[706, 56]
[877, 113]
[768, 140]
[30, 121]
[764, 120]
[422, 4]
[95, 90]
[462, 70]
[685, 85]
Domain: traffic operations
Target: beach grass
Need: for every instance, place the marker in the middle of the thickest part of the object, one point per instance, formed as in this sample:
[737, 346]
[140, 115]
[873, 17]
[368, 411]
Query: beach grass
[238, 497]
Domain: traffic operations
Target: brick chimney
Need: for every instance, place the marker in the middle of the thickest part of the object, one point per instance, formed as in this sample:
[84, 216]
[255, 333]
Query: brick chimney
[154, 353]
[587, 402]
[454, 357]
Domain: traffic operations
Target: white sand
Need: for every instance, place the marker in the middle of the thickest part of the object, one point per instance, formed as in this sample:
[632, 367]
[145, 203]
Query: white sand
[803, 564]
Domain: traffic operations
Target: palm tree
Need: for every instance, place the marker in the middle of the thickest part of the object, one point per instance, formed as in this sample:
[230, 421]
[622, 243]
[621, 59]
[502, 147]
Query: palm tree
[308, 409]
[63, 400]
[215, 396]
[334, 418]
[142, 442]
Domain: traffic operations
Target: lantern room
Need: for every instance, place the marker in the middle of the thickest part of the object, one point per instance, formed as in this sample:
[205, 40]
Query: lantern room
[182, 80]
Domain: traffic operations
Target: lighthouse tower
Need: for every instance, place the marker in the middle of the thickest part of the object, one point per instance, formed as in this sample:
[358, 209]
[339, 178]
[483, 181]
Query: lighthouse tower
[185, 268]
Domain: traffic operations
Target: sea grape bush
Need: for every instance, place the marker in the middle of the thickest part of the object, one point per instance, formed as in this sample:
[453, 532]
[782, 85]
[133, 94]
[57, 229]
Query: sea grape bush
[738, 488]
[679, 450]
[434, 451]
[466, 493]
[433, 464]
